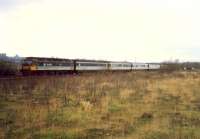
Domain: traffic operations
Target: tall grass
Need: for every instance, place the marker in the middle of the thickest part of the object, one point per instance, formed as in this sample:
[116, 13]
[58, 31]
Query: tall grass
[139, 105]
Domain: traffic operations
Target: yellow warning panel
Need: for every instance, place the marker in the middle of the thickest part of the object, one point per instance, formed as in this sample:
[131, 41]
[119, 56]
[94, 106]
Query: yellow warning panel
[33, 67]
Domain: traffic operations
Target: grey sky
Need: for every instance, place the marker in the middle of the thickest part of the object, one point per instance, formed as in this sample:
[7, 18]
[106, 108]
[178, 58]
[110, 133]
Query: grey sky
[155, 30]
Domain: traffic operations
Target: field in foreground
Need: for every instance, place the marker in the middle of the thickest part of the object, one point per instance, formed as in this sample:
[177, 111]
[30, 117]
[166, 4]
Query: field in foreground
[135, 105]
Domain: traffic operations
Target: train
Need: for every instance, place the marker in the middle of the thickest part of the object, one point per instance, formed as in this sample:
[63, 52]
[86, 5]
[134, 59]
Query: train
[41, 65]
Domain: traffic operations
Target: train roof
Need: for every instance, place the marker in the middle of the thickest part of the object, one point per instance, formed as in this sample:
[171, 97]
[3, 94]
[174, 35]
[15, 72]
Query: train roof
[87, 60]
[37, 59]
[120, 62]
[139, 63]
[53, 59]
[42, 59]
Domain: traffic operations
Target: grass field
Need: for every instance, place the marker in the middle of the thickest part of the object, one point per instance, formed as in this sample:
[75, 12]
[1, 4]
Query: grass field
[134, 105]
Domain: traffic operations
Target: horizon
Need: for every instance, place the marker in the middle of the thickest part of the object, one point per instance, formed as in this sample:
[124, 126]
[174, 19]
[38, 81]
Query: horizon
[113, 30]
[165, 61]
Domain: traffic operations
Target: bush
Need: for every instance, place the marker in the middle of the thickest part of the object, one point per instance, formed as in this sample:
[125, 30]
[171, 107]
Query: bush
[8, 68]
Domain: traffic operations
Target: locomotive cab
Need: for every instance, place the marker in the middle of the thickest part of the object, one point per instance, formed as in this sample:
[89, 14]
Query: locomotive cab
[28, 67]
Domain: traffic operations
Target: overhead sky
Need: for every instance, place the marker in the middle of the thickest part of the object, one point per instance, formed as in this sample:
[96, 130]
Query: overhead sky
[141, 30]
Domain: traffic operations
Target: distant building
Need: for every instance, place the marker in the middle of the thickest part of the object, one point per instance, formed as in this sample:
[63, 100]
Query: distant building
[3, 56]
[15, 59]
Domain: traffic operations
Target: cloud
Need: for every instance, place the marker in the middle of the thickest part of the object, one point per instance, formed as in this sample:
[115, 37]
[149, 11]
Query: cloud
[7, 5]
[106, 29]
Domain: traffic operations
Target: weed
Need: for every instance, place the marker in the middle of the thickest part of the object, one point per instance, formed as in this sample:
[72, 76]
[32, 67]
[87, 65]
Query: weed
[148, 105]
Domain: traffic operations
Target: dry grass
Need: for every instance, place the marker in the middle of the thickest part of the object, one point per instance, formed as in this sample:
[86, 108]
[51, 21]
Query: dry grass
[134, 105]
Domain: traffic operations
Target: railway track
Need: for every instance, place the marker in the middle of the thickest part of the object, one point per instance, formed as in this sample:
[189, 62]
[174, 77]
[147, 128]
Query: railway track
[31, 76]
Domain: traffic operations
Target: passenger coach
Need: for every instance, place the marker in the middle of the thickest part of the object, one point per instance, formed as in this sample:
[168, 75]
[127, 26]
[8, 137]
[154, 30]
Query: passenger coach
[124, 66]
[91, 65]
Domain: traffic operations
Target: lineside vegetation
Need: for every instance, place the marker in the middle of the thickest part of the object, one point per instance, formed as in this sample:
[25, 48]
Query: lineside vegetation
[132, 105]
